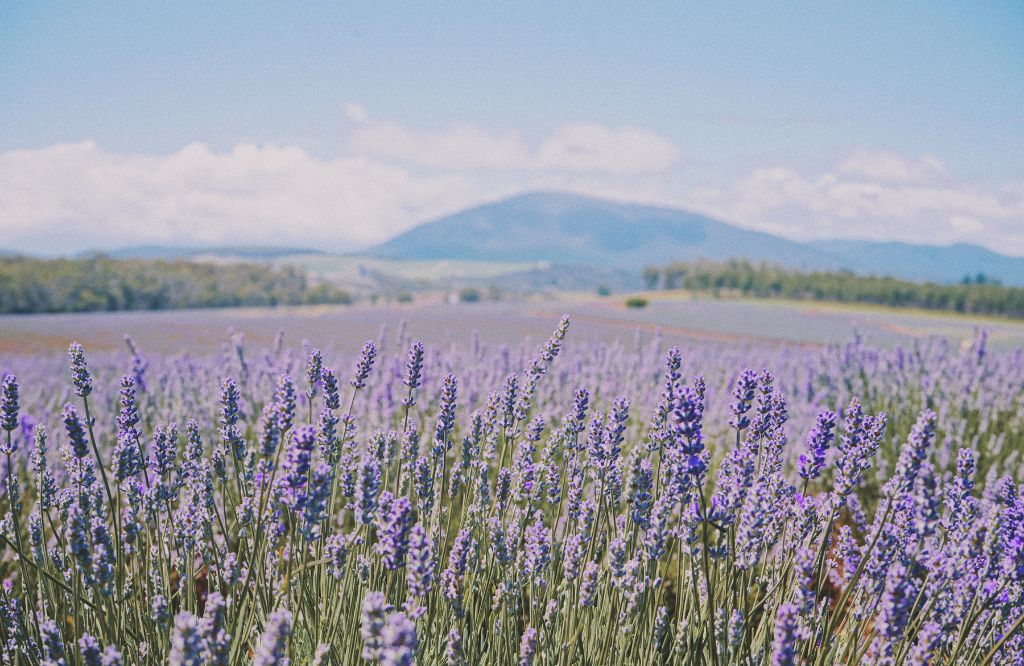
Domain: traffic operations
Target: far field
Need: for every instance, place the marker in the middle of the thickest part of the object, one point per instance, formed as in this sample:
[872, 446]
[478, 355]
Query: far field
[438, 323]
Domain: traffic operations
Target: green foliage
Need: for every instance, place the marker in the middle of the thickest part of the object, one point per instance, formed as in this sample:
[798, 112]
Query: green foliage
[636, 302]
[652, 276]
[101, 283]
[975, 295]
[469, 295]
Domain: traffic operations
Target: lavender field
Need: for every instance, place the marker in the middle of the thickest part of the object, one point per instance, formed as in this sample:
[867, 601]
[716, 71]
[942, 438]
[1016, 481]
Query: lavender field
[749, 323]
[611, 495]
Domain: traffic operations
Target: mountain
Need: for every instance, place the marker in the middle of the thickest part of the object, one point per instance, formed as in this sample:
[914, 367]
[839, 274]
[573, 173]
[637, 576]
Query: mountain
[570, 229]
[932, 263]
[254, 253]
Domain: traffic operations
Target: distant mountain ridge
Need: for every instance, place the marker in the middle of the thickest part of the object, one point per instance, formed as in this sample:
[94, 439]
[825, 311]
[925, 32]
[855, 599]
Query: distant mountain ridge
[253, 252]
[934, 263]
[572, 229]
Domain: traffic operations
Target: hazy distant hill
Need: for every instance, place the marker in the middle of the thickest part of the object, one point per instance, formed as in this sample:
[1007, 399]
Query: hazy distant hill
[180, 252]
[572, 229]
[925, 262]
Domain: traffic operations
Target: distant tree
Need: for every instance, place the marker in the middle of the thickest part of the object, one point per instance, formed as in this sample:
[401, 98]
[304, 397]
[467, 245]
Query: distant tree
[652, 277]
[975, 294]
[673, 276]
[102, 283]
[469, 295]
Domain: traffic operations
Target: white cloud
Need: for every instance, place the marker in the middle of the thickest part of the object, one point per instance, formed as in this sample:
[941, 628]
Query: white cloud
[890, 167]
[70, 197]
[595, 148]
[461, 147]
[573, 148]
[75, 196]
[876, 195]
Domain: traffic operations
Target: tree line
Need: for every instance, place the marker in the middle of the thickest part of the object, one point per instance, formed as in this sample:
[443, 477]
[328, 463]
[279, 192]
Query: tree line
[101, 283]
[973, 295]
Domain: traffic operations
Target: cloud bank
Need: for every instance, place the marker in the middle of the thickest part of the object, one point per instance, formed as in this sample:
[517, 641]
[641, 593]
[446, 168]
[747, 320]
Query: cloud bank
[573, 148]
[70, 197]
[877, 195]
[74, 196]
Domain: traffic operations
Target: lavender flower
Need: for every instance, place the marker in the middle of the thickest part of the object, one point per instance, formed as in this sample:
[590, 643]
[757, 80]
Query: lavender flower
[9, 410]
[45, 484]
[577, 419]
[616, 429]
[159, 609]
[372, 619]
[735, 476]
[857, 447]
[127, 458]
[660, 626]
[314, 504]
[914, 453]
[75, 431]
[91, 651]
[743, 397]
[364, 365]
[451, 578]
[270, 432]
[165, 449]
[895, 607]
[336, 552]
[528, 647]
[216, 641]
[393, 531]
[332, 398]
[79, 370]
[139, 363]
[588, 585]
[689, 439]
[420, 570]
[413, 372]
[500, 548]
[367, 490]
[193, 441]
[453, 649]
[818, 442]
[186, 641]
[784, 645]
[296, 467]
[423, 479]
[284, 403]
[538, 547]
[112, 656]
[399, 641]
[273, 645]
[229, 414]
[641, 484]
[52, 653]
[314, 373]
[445, 415]
[327, 434]
[572, 557]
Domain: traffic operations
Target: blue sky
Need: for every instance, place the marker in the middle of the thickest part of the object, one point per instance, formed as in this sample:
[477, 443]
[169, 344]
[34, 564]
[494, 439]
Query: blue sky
[785, 117]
